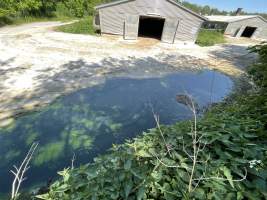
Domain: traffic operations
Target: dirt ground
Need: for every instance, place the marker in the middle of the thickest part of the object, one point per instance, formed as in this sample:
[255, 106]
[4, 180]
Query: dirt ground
[38, 64]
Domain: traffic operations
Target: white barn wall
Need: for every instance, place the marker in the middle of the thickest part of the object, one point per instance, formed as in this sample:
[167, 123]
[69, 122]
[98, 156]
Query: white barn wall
[188, 23]
[112, 17]
[261, 32]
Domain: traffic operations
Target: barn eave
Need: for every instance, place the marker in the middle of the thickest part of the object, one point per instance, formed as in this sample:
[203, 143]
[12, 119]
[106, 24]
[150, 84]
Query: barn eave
[171, 1]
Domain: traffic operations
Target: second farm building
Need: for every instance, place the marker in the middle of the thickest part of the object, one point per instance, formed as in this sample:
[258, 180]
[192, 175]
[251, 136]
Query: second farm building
[250, 26]
[166, 20]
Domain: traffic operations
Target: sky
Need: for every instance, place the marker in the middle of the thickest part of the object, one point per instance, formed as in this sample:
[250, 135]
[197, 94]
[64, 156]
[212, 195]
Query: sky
[229, 5]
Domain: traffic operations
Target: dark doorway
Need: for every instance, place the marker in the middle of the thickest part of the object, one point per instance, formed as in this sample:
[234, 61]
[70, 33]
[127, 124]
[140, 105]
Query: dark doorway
[150, 27]
[248, 32]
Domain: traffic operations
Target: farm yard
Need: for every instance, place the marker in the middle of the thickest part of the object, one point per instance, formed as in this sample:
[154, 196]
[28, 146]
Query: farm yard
[39, 64]
[131, 100]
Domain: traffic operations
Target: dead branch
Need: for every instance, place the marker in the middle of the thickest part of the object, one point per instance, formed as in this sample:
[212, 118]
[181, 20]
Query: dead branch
[192, 150]
[73, 160]
[223, 179]
[20, 171]
[168, 147]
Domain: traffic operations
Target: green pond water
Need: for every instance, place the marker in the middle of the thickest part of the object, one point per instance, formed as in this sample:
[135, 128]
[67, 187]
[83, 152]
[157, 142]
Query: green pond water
[89, 121]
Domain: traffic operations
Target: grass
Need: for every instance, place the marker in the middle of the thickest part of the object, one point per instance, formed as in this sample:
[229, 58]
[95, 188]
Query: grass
[60, 14]
[210, 37]
[83, 26]
[31, 19]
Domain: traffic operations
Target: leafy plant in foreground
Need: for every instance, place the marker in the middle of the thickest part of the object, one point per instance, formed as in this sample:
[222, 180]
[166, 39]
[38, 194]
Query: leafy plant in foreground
[132, 171]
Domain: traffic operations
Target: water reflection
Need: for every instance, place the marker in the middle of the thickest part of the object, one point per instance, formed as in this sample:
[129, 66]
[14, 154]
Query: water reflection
[87, 122]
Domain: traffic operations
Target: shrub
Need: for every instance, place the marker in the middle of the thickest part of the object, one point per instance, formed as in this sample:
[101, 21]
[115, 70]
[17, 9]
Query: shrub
[83, 26]
[62, 11]
[133, 170]
[76, 7]
[210, 37]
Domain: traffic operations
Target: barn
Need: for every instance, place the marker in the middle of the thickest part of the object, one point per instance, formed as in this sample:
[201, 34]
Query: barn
[250, 26]
[165, 20]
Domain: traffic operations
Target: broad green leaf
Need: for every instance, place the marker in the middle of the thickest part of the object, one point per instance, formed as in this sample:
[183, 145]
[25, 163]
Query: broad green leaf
[239, 196]
[43, 196]
[228, 175]
[127, 188]
[127, 164]
[143, 153]
[140, 193]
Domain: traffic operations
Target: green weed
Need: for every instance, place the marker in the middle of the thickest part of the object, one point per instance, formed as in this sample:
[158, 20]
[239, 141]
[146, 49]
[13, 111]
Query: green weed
[210, 37]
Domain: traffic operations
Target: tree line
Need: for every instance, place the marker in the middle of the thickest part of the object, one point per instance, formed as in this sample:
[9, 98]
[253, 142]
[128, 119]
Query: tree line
[207, 10]
[39, 8]
[79, 8]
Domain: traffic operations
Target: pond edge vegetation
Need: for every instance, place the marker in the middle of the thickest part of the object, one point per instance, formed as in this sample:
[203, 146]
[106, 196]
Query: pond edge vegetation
[222, 155]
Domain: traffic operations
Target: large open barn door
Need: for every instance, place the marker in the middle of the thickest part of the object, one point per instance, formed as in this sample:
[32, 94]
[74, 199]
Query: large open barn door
[131, 27]
[169, 30]
[249, 32]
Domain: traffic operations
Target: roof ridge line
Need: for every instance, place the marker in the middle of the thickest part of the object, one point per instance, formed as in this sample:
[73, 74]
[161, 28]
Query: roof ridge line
[171, 1]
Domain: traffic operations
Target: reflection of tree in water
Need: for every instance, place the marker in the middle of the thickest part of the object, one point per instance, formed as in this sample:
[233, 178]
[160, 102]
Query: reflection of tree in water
[60, 129]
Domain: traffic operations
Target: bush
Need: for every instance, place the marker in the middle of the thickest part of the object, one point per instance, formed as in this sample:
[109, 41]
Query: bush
[26, 11]
[62, 11]
[4, 21]
[210, 37]
[133, 170]
[76, 7]
[81, 8]
[12, 11]
[83, 26]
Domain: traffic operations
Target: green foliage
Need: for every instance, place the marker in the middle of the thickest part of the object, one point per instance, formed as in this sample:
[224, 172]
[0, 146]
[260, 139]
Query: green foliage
[132, 170]
[6, 8]
[80, 8]
[209, 37]
[258, 72]
[76, 7]
[236, 142]
[62, 11]
[26, 7]
[36, 10]
[83, 26]
[22, 11]
[207, 10]
[204, 10]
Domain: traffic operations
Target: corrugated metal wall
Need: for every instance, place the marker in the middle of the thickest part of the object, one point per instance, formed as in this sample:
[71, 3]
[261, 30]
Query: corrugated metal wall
[261, 32]
[112, 18]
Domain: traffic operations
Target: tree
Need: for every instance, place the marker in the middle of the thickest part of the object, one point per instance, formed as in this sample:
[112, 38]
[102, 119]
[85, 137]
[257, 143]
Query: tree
[6, 7]
[205, 10]
[76, 7]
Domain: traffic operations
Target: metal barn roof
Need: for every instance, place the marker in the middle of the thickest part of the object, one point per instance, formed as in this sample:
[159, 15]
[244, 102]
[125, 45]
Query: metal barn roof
[171, 1]
[229, 19]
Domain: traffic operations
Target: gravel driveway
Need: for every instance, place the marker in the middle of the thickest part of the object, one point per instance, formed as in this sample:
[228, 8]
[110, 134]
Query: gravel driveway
[38, 64]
